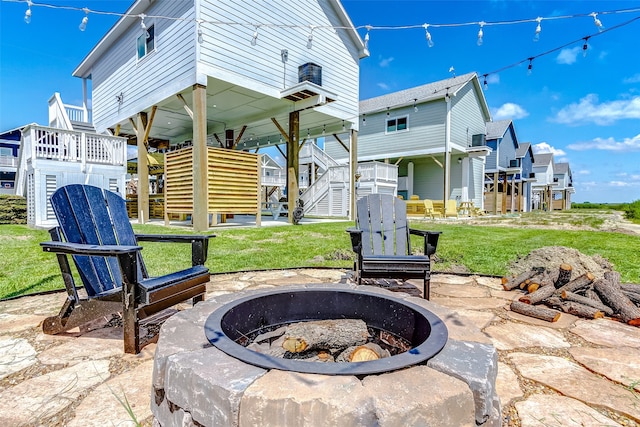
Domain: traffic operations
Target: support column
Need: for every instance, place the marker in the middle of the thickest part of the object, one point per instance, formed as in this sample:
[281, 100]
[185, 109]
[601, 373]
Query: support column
[496, 187]
[447, 154]
[292, 162]
[143, 170]
[353, 169]
[200, 191]
[465, 179]
[410, 170]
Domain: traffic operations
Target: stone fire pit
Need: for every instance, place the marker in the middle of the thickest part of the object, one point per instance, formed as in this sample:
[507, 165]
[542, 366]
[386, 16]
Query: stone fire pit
[195, 383]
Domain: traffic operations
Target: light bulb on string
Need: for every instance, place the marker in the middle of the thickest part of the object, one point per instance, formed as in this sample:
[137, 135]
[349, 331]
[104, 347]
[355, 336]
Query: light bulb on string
[366, 37]
[387, 111]
[308, 133]
[343, 128]
[324, 130]
[415, 107]
[530, 67]
[597, 22]
[200, 37]
[485, 84]
[310, 38]
[83, 23]
[143, 25]
[536, 37]
[481, 33]
[254, 38]
[364, 119]
[585, 47]
[27, 14]
[427, 34]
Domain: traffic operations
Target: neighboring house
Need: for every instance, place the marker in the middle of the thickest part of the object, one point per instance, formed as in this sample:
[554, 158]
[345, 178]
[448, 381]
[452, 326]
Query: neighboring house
[562, 186]
[68, 151]
[9, 149]
[434, 133]
[543, 167]
[508, 165]
[191, 75]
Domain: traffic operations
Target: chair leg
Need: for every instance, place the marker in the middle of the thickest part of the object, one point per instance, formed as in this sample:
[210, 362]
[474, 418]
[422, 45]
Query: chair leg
[427, 287]
[130, 322]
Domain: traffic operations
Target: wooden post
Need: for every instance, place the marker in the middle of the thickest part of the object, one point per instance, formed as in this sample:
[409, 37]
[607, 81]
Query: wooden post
[292, 162]
[143, 170]
[259, 198]
[353, 169]
[496, 186]
[200, 194]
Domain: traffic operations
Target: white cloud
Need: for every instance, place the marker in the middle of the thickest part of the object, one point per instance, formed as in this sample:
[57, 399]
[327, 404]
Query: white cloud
[620, 184]
[384, 62]
[633, 79]
[543, 147]
[583, 172]
[608, 144]
[384, 86]
[568, 56]
[509, 111]
[589, 110]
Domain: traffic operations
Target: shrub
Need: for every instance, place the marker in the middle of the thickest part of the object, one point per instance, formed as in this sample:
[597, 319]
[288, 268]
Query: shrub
[13, 209]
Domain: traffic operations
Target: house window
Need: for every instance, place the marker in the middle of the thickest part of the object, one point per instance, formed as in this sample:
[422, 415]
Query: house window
[146, 42]
[397, 124]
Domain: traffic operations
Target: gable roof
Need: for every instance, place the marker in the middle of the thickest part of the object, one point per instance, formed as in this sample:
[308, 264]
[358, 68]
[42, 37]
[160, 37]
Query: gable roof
[561, 168]
[497, 129]
[522, 149]
[429, 92]
[543, 159]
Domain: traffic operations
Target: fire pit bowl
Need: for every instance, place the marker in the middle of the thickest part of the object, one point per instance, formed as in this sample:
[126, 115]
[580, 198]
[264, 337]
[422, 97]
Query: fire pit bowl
[244, 317]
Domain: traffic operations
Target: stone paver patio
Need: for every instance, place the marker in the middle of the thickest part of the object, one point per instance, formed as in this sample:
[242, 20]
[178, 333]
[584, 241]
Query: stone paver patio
[571, 373]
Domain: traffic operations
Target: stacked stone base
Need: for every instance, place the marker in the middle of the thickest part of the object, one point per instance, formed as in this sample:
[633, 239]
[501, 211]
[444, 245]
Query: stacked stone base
[195, 384]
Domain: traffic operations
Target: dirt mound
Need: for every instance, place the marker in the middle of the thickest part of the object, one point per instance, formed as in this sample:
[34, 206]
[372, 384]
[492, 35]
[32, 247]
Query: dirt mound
[550, 257]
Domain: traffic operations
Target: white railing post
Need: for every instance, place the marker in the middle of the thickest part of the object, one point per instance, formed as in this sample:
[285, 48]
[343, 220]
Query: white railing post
[83, 151]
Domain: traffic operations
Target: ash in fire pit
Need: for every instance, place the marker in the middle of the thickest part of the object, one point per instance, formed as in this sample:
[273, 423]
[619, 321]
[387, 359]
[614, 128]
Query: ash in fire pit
[389, 319]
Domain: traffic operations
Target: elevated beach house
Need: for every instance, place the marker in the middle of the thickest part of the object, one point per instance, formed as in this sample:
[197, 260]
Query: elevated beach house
[435, 134]
[210, 82]
[562, 186]
[508, 172]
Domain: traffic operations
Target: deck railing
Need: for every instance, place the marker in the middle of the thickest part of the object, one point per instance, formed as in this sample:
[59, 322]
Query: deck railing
[72, 146]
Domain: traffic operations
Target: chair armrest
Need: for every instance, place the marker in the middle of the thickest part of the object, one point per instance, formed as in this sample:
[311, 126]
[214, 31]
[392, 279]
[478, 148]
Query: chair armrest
[199, 243]
[83, 249]
[430, 239]
[356, 239]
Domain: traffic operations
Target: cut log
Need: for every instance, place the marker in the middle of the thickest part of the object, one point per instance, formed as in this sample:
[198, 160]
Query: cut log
[513, 282]
[633, 296]
[547, 279]
[590, 293]
[570, 296]
[630, 287]
[554, 301]
[581, 310]
[612, 295]
[613, 277]
[536, 311]
[564, 275]
[325, 334]
[539, 295]
[532, 287]
[580, 282]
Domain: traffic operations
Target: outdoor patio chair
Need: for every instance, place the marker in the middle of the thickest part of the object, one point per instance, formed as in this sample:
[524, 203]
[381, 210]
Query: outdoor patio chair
[429, 211]
[95, 230]
[451, 209]
[381, 241]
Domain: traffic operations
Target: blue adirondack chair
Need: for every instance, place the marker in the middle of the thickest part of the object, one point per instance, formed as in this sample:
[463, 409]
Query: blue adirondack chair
[381, 241]
[95, 230]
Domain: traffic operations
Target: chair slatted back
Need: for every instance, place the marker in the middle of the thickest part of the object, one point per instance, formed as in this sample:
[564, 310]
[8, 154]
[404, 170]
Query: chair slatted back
[89, 215]
[383, 221]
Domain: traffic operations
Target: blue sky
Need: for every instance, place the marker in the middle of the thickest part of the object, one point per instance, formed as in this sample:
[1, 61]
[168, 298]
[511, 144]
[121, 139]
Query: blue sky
[585, 109]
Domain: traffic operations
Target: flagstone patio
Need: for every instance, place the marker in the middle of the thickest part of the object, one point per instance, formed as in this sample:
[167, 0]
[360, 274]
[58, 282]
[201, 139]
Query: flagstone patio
[573, 372]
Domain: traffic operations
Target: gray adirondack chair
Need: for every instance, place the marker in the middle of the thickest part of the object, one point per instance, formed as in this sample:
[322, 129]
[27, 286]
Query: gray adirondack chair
[95, 230]
[381, 241]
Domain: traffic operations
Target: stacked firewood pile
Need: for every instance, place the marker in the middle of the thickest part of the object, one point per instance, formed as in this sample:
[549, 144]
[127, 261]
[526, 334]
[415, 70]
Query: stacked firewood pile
[549, 293]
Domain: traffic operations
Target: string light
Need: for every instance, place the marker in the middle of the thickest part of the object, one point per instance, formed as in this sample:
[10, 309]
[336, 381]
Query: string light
[254, 39]
[536, 37]
[364, 119]
[310, 38]
[200, 37]
[324, 129]
[343, 128]
[485, 84]
[366, 37]
[430, 42]
[481, 33]
[83, 23]
[387, 111]
[415, 107]
[530, 67]
[27, 14]
[597, 22]
[585, 46]
[308, 133]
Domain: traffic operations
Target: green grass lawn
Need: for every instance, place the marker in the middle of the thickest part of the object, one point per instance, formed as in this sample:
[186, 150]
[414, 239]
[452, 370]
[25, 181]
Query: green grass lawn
[25, 268]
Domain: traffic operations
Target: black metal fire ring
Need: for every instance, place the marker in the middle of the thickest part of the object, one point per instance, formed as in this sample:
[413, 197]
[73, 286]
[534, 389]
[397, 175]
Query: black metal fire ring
[426, 331]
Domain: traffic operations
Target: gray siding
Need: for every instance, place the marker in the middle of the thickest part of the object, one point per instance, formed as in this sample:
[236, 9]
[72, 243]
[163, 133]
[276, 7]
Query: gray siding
[492, 164]
[466, 116]
[476, 181]
[167, 70]
[229, 55]
[507, 149]
[428, 178]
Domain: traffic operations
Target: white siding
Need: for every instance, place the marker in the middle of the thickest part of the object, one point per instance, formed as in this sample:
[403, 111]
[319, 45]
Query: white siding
[466, 116]
[168, 69]
[229, 55]
[476, 181]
